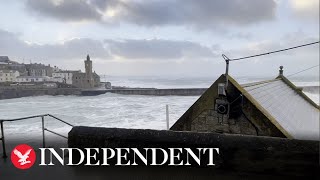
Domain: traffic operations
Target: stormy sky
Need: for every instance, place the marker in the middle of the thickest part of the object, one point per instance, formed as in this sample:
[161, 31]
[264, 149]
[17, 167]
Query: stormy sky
[178, 38]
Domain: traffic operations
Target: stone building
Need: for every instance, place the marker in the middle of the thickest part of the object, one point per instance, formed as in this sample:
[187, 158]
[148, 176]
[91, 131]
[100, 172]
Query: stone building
[65, 76]
[88, 79]
[39, 70]
[274, 108]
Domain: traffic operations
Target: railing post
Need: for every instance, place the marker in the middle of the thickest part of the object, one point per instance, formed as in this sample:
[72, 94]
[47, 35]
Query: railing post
[43, 138]
[167, 116]
[3, 142]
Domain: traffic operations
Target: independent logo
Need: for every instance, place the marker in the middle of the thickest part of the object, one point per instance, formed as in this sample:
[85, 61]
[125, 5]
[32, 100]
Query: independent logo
[23, 156]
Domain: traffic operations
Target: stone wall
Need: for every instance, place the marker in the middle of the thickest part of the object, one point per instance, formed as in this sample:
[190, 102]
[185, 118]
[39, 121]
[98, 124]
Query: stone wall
[16, 93]
[148, 91]
[211, 121]
[239, 154]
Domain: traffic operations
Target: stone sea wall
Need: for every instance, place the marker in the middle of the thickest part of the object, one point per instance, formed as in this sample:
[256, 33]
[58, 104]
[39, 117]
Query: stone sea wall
[17, 93]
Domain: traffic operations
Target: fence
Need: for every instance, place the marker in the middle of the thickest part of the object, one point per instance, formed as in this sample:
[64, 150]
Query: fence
[31, 117]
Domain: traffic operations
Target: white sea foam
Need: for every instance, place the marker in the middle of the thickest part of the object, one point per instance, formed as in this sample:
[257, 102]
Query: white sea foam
[106, 110]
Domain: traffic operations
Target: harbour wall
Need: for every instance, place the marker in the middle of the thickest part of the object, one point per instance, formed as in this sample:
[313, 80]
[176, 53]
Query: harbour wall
[166, 92]
[8, 93]
[17, 93]
[150, 92]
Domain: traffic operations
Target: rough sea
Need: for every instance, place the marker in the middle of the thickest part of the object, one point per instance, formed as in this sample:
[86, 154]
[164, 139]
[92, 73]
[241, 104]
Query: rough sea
[110, 110]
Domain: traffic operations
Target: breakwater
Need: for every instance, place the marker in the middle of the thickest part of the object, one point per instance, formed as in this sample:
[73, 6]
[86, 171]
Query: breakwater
[8, 93]
[167, 92]
[17, 93]
[148, 91]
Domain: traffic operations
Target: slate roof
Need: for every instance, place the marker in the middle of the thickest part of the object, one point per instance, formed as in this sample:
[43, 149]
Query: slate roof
[288, 108]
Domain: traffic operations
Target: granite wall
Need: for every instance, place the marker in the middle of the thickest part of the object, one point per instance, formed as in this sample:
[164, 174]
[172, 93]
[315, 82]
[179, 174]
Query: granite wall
[16, 93]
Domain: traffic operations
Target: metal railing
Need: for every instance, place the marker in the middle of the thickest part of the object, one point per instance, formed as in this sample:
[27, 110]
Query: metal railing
[2, 138]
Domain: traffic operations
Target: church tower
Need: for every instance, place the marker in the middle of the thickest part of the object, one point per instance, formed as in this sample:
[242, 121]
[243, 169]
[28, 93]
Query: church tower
[88, 68]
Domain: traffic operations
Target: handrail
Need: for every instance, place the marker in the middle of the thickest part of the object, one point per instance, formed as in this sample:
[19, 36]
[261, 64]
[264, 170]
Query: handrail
[31, 117]
[23, 118]
[55, 133]
[59, 119]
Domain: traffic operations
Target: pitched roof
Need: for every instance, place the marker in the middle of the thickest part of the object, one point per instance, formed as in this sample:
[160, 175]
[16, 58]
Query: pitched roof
[284, 104]
[287, 107]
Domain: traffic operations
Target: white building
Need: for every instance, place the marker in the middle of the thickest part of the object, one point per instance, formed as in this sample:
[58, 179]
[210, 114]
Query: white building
[8, 75]
[66, 76]
[21, 79]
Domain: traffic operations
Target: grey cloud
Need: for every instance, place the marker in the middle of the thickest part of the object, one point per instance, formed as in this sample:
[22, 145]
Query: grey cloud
[129, 49]
[199, 13]
[12, 46]
[204, 14]
[158, 49]
[65, 10]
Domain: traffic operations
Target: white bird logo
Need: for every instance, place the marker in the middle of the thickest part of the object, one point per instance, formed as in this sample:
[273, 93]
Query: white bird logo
[22, 158]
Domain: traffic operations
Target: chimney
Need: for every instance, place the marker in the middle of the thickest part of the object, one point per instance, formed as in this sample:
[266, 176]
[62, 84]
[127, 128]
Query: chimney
[281, 71]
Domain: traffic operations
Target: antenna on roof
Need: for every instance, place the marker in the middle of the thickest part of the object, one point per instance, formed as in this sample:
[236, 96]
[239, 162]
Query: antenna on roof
[227, 68]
